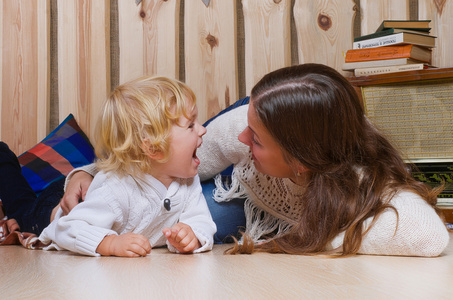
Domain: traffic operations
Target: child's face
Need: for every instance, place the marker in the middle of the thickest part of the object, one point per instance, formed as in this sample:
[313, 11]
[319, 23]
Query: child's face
[185, 139]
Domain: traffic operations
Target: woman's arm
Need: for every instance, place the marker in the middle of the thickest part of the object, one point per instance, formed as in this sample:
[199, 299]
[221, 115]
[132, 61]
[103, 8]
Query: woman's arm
[420, 230]
[221, 146]
[76, 186]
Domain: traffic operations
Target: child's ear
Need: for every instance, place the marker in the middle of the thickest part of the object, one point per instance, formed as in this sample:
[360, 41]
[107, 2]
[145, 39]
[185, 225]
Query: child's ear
[151, 151]
[156, 155]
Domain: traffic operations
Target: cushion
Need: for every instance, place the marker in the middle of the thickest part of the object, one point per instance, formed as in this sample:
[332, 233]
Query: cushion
[65, 148]
[238, 103]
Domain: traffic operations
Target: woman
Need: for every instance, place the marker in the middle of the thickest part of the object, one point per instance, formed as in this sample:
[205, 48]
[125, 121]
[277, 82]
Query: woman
[317, 176]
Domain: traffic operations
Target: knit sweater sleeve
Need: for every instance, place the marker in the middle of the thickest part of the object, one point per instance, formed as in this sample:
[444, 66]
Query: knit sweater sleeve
[89, 222]
[416, 231]
[196, 214]
[221, 146]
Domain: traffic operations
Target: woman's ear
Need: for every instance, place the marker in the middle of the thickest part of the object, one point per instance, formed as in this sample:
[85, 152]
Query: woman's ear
[300, 170]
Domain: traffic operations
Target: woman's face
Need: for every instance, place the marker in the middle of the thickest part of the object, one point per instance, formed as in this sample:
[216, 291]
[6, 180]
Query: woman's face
[267, 154]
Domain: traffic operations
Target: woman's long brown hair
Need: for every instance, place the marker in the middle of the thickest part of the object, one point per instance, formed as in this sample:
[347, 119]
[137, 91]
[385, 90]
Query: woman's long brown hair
[315, 115]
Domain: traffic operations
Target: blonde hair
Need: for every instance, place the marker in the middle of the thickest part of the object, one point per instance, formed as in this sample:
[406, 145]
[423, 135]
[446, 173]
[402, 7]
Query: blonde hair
[136, 121]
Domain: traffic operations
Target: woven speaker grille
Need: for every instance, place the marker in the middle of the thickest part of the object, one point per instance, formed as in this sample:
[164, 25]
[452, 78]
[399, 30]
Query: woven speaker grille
[417, 117]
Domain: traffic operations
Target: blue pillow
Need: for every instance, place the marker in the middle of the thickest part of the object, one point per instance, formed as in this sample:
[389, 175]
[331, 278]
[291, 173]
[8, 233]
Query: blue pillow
[65, 148]
[238, 103]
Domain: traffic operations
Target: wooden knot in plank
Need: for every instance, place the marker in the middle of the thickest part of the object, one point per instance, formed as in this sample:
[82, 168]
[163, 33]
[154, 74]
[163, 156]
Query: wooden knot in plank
[212, 41]
[324, 22]
[440, 5]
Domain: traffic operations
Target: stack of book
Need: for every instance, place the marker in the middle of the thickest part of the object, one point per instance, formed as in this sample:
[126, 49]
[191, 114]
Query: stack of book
[396, 46]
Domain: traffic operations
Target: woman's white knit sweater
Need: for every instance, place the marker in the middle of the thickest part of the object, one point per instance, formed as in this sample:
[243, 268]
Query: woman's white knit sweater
[273, 203]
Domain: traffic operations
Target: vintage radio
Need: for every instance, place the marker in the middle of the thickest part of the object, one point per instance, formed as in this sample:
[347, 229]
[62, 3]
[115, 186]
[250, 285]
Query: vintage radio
[415, 111]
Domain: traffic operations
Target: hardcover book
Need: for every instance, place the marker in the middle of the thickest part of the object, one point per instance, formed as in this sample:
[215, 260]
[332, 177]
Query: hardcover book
[397, 39]
[378, 63]
[388, 32]
[388, 69]
[422, 25]
[410, 51]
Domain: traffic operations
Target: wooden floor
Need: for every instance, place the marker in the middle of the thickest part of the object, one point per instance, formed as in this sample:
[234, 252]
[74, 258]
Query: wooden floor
[29, 274]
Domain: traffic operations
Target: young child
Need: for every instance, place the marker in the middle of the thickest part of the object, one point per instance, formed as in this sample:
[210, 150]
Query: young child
[147, 193]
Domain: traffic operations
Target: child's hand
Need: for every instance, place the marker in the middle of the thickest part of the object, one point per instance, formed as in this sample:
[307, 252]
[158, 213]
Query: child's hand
[182, 237]
[128, 245]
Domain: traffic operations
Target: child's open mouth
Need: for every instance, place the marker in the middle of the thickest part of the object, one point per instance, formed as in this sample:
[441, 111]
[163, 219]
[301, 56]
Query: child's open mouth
[195, 158]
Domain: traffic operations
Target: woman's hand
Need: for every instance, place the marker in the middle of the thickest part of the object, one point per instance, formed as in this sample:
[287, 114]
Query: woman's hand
[126, 245]
[182, 237]
[75, 191]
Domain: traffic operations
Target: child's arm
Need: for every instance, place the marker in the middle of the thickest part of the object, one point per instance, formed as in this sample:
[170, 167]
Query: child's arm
[90, 222]
[127, 245]
[196, 215]
[182, 237]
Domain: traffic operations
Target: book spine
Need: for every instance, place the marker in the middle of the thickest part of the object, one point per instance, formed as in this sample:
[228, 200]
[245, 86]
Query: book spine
[379, 42]
[387, 69]
[378, 53]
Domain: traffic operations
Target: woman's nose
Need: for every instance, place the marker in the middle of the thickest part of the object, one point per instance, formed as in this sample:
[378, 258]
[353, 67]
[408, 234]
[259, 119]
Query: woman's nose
[244, 137]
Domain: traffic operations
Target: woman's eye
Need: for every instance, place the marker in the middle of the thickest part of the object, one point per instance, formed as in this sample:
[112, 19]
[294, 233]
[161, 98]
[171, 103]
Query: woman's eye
[254, 141]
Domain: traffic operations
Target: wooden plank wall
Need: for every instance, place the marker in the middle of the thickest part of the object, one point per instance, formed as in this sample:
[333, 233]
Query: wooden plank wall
[83, 60]
[220, 50]
[24, 65]
[210, 54]
[441, 14]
